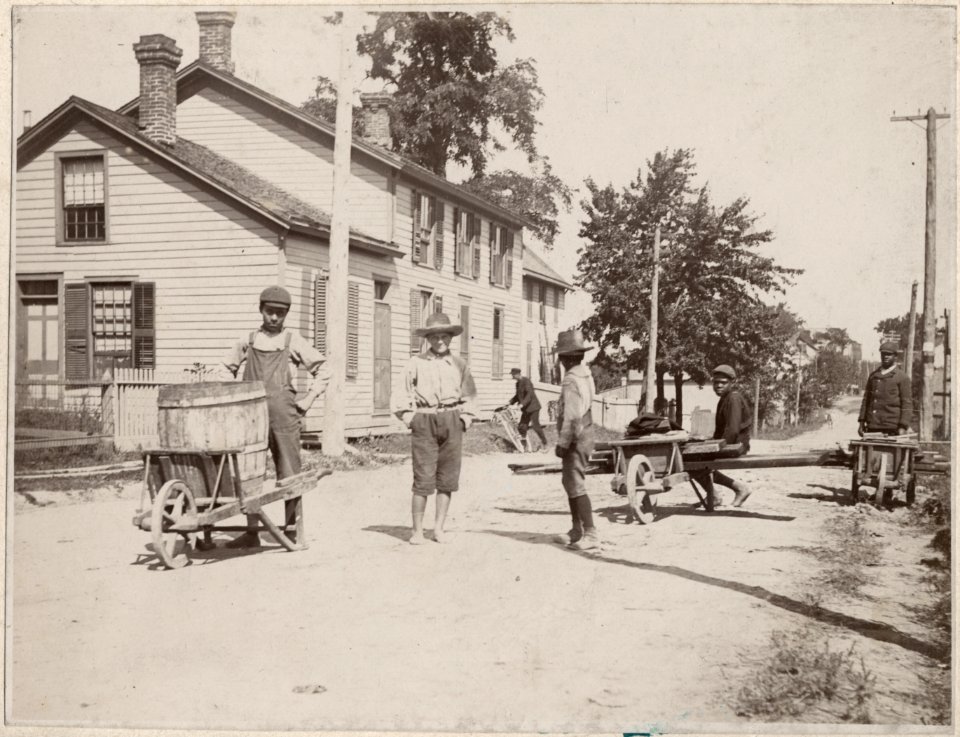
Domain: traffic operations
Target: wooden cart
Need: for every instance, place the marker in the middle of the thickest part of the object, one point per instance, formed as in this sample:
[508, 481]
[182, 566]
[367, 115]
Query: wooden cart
[190, 491]
[645, 467]
[507, 419]
[885, 464]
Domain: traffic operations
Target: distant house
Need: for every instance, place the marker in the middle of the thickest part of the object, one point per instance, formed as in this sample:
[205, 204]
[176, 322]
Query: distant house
[544, 296]
[144, 236]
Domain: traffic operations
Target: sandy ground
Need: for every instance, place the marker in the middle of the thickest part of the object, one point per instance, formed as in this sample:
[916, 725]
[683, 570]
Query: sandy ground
[498, 630]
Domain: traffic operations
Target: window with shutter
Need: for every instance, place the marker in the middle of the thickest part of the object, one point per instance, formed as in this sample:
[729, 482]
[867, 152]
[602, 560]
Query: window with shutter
[561, 298]
[492, 243]
[497, 343]
[528, 297]
[457, 241]
[76, 320]
[437, 303]
[320, 314]
[353, 328]
[438, 236]
[508, 258]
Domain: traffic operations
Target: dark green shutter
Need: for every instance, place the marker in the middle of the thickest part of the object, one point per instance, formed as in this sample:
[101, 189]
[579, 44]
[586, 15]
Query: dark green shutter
[144, 321]
[76, 319]
[353, 328]
[438, 237]
[320, 314]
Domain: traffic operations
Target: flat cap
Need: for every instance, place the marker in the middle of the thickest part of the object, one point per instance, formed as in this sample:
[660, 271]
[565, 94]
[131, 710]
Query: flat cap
[275, 296]
[724, 370]
[889, 347]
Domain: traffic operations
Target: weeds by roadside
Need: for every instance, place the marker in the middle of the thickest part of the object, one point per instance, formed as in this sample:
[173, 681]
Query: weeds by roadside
[847, 550]
[788, 431]
[803, 678]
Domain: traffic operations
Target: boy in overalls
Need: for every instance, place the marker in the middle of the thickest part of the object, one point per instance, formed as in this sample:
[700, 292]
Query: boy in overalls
[272, 356]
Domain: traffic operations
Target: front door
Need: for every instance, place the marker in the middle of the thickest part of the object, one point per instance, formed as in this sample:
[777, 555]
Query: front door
[38, 344]
[382, 330]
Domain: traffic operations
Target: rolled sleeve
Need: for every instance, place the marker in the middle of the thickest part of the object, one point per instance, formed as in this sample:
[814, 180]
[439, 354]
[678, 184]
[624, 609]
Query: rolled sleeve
[468, 396]
[403, 399]
[313, 361]
[230, 363]
[572, 412]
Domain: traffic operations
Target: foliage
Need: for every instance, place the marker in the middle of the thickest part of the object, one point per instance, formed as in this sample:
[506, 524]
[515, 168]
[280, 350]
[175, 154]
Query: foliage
[901, 326]
[802, 676]
[538, 197]
[449, 87]
[832, 374]
[323, 105]
[712, 280]
[837, 339]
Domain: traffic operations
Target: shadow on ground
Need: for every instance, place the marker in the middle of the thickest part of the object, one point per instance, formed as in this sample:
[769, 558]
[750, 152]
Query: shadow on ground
[867, 628]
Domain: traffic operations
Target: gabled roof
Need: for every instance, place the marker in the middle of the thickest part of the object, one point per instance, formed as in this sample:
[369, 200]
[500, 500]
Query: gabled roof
[537, 268]
[191, 77]
[240, 184]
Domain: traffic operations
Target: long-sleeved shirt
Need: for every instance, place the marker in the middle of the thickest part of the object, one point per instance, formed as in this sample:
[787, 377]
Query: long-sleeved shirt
[525, 395]
[574, 414]
[302, 354]
[433, 381]
[734, 420]
[888, 400]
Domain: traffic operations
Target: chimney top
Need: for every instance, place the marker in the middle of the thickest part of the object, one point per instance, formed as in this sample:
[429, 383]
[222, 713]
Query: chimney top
[158, 57]
[215, 38]
[376, 118]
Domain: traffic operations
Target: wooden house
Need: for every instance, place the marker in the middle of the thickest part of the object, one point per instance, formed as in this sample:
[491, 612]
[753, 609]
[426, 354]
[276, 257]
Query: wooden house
[544, 297]
[144, 236]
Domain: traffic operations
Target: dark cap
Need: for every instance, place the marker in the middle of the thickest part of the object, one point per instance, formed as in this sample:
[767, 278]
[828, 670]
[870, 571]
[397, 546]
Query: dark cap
[724, 370]
[275, 296]
[889, 347]
[515, 371]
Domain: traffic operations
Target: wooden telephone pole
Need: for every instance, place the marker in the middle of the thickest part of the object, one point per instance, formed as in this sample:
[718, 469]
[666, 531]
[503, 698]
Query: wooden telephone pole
[652, 349]
[334, 416]
[911, 332]
[930, 270]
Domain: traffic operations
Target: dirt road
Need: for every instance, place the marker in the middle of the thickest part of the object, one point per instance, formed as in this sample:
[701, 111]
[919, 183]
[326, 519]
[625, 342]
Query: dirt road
[498, 630]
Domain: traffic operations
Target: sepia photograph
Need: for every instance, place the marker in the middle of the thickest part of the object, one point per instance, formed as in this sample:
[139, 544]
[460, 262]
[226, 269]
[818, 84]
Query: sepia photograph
[540, 368]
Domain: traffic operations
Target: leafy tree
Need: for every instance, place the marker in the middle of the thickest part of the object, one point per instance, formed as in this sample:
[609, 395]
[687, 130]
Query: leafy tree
[323, 105]
[449, 86]
[901, 326]
[539, 198]
[712, 280]
[837, 339]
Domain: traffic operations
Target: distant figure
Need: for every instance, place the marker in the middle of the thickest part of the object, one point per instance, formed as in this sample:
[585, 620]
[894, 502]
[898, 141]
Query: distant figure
[887, 405]
[829, 420]
[526, 397]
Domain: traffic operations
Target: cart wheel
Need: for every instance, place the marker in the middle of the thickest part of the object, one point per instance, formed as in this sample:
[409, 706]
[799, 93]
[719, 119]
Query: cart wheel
[173, 502]
[884, 486]
[855, 488]
[640, 473]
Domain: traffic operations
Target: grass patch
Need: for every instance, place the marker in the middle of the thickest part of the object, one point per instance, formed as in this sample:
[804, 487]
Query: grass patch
[789, 431]
[37, 460]
[803, 678]
[848, 549]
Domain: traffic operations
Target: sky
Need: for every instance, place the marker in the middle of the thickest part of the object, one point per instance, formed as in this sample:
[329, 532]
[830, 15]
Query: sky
[787, 105]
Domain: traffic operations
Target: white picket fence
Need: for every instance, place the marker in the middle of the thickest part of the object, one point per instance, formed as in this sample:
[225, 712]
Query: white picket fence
[134, 398]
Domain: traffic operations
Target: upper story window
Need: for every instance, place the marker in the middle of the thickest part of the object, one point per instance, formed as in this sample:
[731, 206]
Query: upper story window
[501, 256]
[543, 303]
[83, 200]
[427, 230]
[466, 243]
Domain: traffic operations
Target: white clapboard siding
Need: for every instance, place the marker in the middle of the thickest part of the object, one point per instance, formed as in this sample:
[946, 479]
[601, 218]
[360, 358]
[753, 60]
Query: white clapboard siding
[299, 164]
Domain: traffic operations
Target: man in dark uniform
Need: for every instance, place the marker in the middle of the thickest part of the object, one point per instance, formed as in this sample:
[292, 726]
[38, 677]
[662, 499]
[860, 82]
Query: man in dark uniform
[733, 423]
[526, 397]
[887, 405]
[272, 354]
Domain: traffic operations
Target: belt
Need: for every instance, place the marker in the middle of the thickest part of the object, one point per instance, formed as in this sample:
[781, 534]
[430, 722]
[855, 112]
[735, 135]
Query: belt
[440, 408]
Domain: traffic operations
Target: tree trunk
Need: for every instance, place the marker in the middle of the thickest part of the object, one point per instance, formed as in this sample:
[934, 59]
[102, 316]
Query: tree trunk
[678, 393]
[660, 375]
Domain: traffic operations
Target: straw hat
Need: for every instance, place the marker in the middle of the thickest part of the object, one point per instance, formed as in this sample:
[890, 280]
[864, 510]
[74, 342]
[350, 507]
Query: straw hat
[438, 322]
[570, 342]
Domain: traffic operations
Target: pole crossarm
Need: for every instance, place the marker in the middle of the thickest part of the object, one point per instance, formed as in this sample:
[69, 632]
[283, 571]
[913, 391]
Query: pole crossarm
[906, 118]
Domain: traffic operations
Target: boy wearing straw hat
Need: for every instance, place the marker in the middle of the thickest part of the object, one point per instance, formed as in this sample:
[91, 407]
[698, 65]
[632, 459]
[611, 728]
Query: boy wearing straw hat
[575, 439]
[436, 401]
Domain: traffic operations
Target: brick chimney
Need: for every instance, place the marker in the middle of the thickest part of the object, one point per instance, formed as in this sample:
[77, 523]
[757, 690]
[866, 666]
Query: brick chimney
[376, 118]
[158, 57]
[215, 38]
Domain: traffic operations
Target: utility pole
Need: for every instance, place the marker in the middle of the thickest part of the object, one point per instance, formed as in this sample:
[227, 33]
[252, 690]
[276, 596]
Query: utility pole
[652, 349]
[930, 270]
[911, 332]
[334, 416]
[756, 406]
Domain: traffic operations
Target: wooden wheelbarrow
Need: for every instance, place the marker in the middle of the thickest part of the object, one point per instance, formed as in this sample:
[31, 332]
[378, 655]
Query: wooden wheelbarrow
[190, 491]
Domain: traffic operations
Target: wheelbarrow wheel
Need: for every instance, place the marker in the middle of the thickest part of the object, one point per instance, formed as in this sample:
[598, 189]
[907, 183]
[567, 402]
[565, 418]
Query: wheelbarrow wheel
[173, 502]
[639, 475]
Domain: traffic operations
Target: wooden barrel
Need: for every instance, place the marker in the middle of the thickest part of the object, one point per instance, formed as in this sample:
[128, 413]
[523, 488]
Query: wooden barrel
[216, 415]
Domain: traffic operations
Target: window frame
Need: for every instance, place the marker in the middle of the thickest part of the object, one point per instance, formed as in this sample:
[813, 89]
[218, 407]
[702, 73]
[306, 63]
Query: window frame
[60, 214]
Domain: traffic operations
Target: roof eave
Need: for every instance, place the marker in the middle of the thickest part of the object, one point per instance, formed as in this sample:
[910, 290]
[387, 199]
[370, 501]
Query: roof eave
[548, 279]
[357, 240]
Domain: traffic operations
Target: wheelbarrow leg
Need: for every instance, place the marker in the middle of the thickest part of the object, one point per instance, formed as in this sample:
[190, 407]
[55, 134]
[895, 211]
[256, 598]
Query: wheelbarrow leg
[277, 533]
[293, 509]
